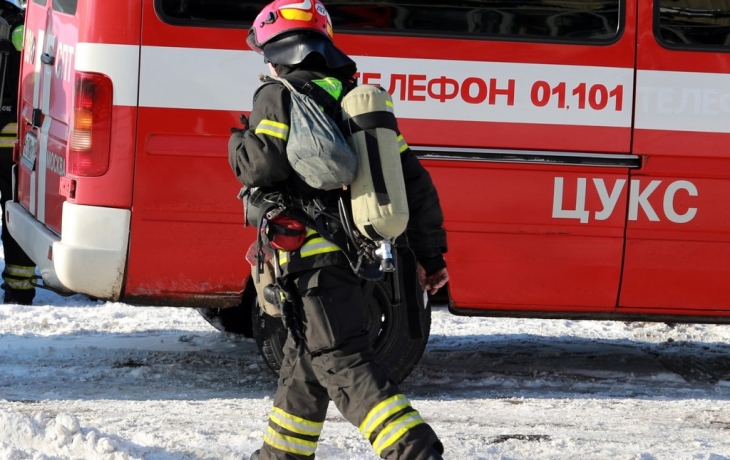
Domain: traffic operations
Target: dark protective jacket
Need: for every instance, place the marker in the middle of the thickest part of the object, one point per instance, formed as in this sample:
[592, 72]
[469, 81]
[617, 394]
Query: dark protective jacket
[9, 111]
[258, 158]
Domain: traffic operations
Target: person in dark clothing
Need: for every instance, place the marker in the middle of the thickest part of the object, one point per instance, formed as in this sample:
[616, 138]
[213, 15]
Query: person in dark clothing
[334, 359]
[19, 268]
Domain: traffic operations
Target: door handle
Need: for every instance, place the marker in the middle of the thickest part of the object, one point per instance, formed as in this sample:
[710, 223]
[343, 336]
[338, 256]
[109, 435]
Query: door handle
[47, 59]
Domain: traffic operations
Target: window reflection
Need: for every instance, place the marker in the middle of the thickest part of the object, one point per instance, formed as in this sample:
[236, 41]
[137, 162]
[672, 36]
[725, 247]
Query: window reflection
[590, 19]
[699, 23]
[65, 6]
[578, 20]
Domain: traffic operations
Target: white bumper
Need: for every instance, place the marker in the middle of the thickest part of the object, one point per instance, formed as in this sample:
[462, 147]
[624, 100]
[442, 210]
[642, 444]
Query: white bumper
[90, 256]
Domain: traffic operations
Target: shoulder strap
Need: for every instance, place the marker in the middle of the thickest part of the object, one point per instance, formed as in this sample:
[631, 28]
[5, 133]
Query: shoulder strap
[321, 97]
[305, 87]
[265, 81]
[271, 79]
[330, 104]
[371, 120]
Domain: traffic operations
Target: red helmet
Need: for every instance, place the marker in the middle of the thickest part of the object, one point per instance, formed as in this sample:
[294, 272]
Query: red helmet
[283, 16]
[287, 31]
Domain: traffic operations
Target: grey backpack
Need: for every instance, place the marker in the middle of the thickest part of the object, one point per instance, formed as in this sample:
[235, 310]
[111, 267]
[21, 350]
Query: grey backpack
[316, 149]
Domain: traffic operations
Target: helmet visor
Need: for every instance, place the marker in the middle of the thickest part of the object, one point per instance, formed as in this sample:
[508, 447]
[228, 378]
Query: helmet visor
[252, 42]
[291, 49]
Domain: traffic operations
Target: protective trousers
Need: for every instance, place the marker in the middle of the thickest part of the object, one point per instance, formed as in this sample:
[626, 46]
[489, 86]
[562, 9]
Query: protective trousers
[337, 362]
[19, 268]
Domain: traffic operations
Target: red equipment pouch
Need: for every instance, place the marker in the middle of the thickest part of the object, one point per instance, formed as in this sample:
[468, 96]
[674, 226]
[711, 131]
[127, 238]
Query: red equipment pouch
[285, 233]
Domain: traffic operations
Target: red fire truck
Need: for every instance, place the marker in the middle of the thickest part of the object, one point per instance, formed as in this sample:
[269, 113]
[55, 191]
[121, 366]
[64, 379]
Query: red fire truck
[580, 150]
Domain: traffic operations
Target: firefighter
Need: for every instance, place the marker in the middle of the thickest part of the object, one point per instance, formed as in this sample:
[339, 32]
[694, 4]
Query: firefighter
[334, 359]
[19, 268]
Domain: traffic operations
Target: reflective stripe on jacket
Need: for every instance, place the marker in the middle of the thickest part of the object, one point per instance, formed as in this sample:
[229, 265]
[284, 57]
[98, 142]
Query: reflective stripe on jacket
[315, 252]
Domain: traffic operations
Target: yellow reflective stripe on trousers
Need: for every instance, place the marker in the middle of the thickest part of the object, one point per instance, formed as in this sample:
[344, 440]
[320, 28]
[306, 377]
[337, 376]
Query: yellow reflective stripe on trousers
[381, 412]
[289, 444]
[402, 146]
[273, 128]
[18, 276]
[9, 135]
[395, 430]
[295, 424]
[7, 142]
[11, 129]
[19, 271]
[19, 285]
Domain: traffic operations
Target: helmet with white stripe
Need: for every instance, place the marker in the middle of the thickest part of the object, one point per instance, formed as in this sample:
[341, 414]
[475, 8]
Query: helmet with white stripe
[287, 31]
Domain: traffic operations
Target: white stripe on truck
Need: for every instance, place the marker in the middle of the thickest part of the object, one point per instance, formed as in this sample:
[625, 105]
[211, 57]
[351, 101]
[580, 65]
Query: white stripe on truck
[683, 101]
[212, 79]
[118, 62]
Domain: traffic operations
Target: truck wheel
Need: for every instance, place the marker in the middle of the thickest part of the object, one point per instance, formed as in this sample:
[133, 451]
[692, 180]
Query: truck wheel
[388, 325]
[234, 320]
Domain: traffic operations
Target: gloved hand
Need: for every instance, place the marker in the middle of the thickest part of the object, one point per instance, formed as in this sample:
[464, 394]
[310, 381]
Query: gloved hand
[286, 303]
[292, 321]
[244, 122]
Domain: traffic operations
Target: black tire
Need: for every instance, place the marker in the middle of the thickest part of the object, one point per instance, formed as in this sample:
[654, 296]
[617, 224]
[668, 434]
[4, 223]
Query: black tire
[234, 320]
[388, 325]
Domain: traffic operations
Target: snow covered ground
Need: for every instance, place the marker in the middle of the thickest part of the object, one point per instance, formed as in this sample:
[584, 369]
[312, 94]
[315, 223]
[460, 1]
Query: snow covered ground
[81, 379]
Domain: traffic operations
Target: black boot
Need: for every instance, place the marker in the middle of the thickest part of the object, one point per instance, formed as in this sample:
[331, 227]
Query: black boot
[255, 455]
[435, 452]
[17, 284]
[18, 296]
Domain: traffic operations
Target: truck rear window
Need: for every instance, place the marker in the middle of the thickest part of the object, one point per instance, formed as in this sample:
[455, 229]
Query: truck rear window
[540, 20]
[65, 6]
[694, 23]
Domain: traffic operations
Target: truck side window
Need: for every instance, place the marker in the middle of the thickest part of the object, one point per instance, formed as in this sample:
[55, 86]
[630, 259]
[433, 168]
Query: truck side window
[560, 20]
[535, 20]
[65, 6]
[694, 23]
[231, 13]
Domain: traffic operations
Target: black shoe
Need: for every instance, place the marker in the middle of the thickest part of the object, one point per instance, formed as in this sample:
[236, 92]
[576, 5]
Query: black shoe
[435, 452]
[255, 455]
[19, 296]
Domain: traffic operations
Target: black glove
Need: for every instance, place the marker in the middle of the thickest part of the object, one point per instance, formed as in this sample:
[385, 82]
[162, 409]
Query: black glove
[244, 122]
[287, 305]
[292, 321]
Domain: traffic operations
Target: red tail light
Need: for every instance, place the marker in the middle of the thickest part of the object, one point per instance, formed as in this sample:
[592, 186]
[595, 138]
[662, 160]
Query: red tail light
[90, 135]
